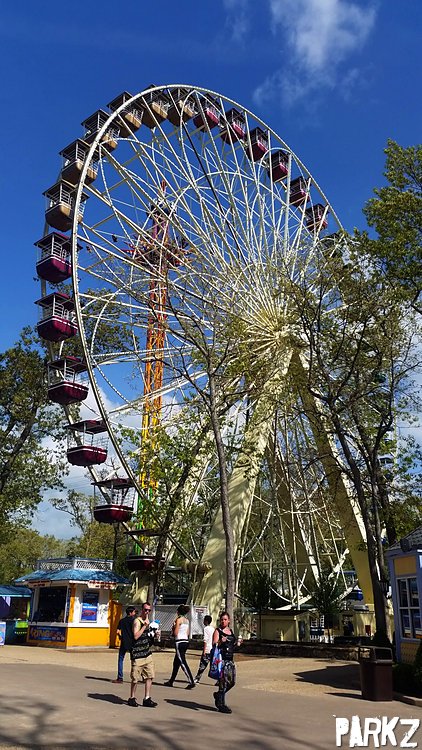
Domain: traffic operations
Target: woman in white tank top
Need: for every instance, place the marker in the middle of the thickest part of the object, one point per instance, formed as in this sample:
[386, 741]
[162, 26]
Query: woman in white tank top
[180, 631]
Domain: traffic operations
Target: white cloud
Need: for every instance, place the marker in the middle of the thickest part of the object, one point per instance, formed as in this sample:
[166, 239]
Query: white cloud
[48, 520]
[237, 19]
[319, 35]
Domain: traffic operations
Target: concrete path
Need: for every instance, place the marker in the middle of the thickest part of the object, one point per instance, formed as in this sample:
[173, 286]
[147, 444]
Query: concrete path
[54, 699]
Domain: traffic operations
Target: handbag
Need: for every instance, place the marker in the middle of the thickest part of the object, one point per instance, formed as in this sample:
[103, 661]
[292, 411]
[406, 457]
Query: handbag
[216, 664]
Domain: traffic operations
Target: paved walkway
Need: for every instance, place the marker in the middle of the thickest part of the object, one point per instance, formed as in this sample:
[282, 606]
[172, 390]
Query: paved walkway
[54, 699]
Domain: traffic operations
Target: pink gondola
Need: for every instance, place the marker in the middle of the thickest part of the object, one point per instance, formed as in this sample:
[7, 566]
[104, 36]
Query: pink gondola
[209, 113]
[298, 191]
[58, 318]
[89, 450]
[143, 563]
[65, 384]
[234, 127]
[119, 493]
[54, 263]
[316, 218]
[279, 165]
[259, 144]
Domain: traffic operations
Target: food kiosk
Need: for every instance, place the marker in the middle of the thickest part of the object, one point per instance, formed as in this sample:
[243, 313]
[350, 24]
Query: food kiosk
[72, 602]
[14, 610]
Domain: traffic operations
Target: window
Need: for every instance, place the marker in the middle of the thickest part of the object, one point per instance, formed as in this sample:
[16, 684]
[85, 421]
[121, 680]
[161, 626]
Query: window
[51, 604]
[410, 614]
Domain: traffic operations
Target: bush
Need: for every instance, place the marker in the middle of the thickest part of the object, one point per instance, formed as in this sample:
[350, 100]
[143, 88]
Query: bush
[406, 680]
[417, 666]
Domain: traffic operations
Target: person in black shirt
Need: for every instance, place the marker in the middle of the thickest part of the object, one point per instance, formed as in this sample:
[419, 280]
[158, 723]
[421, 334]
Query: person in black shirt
[226, 641]
[125, 633]
[142, 663]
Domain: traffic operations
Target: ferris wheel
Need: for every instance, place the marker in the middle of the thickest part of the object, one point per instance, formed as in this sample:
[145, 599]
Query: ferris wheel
[178, 210]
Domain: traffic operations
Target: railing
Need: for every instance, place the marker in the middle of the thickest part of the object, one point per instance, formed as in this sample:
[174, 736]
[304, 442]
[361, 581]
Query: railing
[56, 250]
[58, 310]
[77, 563]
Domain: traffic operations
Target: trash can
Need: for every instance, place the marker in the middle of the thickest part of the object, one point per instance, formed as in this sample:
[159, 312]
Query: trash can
[376, 673]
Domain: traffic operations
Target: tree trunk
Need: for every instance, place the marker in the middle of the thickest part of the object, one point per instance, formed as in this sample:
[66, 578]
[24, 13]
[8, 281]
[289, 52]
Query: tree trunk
[224, 498]
[371, 535]
[175, 498]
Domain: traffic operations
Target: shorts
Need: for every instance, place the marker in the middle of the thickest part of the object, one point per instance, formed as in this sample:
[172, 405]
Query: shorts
[142, 669]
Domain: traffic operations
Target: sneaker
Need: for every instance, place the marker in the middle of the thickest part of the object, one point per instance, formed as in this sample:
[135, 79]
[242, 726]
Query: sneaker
[196, 680]
[190, 686]
[149, 703]
[224, 710]
[133, 702]
[168, 683]
[118, 680]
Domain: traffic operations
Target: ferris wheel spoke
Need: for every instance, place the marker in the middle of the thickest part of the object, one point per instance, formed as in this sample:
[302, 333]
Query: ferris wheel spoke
[217, 176]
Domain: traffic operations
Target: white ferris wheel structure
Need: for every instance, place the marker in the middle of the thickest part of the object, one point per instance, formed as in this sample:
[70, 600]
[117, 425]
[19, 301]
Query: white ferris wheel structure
[177, 211]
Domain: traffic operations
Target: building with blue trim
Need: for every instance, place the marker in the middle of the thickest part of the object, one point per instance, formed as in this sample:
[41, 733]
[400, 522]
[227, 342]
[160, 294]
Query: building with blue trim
[72, 604]
[405, 566]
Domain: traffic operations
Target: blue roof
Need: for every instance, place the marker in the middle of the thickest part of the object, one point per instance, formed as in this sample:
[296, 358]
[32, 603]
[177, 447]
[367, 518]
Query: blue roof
[15, 591]
[72, 574]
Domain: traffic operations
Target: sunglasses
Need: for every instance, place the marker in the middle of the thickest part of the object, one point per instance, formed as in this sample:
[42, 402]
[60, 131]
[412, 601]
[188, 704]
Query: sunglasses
[146, 610]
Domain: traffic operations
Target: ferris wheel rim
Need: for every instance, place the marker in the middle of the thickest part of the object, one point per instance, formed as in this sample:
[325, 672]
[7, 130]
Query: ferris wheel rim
[229, 180]
[114, 116]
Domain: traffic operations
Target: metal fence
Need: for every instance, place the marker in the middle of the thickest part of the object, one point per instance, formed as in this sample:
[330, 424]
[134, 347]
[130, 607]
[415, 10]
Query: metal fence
[166, 614]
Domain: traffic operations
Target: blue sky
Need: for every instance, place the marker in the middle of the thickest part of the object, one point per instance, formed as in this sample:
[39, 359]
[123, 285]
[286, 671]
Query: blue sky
[334, 78]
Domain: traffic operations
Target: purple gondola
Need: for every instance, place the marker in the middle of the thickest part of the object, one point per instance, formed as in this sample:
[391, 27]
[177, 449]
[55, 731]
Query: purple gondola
[119, 493]
[58, 320]
[89, 450]
[65, 383]
[54, 263]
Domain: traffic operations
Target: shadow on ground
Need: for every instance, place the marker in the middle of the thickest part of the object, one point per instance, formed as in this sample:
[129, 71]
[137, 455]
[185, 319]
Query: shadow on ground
[108, 697]
[190, 704]
[333, 675]
[38, 724]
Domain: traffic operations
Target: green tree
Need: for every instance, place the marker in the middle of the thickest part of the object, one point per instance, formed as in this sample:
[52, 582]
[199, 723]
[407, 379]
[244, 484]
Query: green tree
[20, 553]
[98, 540]
[212, 351]
[94, 539]
[257, 591]
[396, 214]
[31, 431]
[362, 353]
[326, 597]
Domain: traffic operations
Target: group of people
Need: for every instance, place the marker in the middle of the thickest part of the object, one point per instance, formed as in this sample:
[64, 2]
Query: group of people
[136, 637]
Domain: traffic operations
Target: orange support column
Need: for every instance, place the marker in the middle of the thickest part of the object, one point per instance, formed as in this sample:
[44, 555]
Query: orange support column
[114, 615]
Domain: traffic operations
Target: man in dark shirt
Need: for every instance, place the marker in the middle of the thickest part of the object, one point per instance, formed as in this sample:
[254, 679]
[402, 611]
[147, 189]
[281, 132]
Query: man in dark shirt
[142, 664]
[125, 633]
